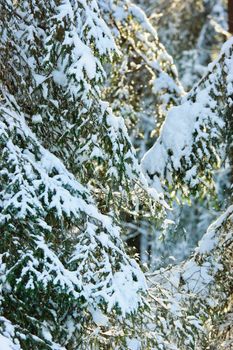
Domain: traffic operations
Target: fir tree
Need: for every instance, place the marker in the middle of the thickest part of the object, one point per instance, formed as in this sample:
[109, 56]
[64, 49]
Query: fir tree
[143, 83]
[62, 260]
[64, 268]
[66, 281]
[57, 52]
[193, 33]
[202, 122]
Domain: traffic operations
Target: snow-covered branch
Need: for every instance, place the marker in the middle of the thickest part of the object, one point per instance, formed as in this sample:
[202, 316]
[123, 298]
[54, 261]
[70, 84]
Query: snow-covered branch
[191, 139]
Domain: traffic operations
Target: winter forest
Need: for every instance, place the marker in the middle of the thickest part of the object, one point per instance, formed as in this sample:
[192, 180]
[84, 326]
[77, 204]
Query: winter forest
[116, 175]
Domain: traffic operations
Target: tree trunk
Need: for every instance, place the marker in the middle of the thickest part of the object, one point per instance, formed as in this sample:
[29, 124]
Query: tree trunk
[230, 15]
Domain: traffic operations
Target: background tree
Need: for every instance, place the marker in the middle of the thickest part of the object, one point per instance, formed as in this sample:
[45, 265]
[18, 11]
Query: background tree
[193, 35]
[230, 16]
[142, 85]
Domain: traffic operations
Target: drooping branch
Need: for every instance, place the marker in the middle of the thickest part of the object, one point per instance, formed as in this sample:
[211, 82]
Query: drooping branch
[191, 139]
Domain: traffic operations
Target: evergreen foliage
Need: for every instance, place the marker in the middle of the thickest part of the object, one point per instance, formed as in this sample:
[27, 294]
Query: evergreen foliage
[57, 52]
[71, 184]
[62, 260]
[187, 161]
[143, 83]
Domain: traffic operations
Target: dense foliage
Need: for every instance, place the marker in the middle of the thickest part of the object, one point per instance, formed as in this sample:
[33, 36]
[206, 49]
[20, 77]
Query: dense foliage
[85, 86]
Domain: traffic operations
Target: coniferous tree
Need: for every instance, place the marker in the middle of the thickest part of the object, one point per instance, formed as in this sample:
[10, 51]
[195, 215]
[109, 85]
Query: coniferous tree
[187, 161]
[143, 83]
[61, 259]
[192, 32]
[184, 161]
[66, 281]
[64, 269]
[193, 35]
[197, 292]
[57, 52]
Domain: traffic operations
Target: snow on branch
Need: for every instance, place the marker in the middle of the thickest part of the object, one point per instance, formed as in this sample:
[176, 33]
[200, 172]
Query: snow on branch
[42, 205]
[143, 82]
[183, 296]
[192, 135]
